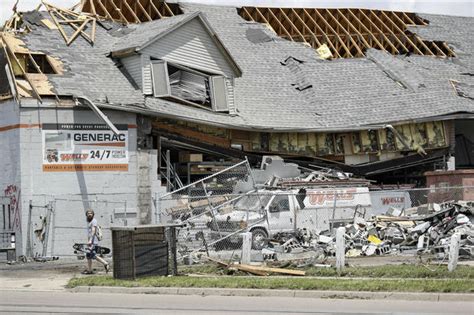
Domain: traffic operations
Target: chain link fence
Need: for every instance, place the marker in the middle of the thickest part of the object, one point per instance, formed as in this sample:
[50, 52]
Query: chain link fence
[56, 223]
[7, 225]
[299, 223]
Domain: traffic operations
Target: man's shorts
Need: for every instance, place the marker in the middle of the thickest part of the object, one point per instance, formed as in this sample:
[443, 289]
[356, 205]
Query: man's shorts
[92, 253]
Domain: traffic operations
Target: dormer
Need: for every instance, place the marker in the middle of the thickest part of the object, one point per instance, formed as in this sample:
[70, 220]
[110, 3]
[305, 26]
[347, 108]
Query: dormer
[180, 58]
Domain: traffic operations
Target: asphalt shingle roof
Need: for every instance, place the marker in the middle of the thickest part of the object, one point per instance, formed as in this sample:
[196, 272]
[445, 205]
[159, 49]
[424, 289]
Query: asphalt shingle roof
[140, 34]
[284, 86]
[87, 69]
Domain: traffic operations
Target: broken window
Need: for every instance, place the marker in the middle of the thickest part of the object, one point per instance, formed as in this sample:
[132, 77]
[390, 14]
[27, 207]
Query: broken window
[189, 86]
[33, 63]
[4, 82]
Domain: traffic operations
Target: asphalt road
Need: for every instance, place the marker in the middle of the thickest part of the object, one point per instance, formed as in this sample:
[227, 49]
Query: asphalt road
[53, 302]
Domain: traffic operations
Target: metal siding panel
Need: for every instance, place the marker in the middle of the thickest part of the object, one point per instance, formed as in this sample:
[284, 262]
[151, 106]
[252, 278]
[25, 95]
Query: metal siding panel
[134, 67]
[192, 46]
[230, 95]
[219, 94]
[161, 86]
[146, 75]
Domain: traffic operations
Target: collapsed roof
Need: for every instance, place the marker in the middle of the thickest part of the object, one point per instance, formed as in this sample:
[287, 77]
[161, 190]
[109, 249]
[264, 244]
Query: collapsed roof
[284, 84]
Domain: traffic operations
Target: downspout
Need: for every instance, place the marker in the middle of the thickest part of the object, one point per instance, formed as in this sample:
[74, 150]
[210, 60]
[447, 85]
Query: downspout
[98, 112]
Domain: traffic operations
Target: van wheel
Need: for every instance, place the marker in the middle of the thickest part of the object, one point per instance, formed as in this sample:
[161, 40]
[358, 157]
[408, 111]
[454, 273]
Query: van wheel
[259, 237]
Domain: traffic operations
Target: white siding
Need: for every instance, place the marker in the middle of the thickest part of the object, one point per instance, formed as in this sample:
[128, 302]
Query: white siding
[230, 96]
[133, 66]
[161, 84]
[192, 46]
[146, 75]
[219, 94]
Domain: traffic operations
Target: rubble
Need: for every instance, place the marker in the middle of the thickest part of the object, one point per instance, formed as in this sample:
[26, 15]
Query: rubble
[425, 229]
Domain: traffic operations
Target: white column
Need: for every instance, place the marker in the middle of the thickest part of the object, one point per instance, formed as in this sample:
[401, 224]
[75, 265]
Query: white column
[246, 246]
[454, 251]
[340, 248]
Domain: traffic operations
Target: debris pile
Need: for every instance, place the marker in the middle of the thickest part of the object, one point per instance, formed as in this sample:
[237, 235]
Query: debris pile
[424, 229]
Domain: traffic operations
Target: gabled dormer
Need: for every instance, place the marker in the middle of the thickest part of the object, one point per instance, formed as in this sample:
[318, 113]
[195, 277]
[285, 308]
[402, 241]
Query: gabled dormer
[180, 58]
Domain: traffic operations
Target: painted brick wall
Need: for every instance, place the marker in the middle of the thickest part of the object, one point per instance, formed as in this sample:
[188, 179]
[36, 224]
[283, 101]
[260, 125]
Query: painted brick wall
[112, 194]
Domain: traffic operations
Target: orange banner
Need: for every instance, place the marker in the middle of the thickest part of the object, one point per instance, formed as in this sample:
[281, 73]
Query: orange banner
[84, 167]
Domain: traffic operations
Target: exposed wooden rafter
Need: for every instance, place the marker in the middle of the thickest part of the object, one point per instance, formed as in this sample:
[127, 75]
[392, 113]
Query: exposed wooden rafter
[349, 32]
[78, 22]
[130, 11]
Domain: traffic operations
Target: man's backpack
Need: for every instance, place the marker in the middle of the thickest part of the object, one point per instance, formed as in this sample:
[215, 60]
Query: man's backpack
[98, 233]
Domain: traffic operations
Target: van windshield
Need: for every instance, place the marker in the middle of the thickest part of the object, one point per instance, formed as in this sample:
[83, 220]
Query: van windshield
[252, 202]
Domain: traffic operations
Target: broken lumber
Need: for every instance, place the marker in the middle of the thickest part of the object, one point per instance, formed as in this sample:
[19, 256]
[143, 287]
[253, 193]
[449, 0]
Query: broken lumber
[270, 270]
[238, 267]
[258, 270]
[248, 268]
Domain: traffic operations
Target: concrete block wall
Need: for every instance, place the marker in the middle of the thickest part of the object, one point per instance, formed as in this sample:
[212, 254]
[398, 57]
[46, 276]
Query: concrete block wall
[10, 179]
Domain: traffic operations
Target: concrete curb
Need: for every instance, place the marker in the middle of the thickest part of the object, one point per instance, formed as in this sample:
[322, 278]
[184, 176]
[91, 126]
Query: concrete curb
[362, 295]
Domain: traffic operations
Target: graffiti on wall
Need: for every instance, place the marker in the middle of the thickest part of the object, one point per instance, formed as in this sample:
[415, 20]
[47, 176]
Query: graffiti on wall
[13, 192]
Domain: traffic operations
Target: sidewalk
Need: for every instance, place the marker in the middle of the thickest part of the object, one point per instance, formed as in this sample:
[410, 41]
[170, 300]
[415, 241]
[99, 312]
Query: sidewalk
[37, 276]
[53, 276]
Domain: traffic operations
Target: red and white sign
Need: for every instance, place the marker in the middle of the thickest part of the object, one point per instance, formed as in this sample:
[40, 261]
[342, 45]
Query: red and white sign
[84, 147]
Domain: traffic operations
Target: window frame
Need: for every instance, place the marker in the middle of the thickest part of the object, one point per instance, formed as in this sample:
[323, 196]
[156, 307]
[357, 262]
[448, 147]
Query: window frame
[212, 79]
[278, 202]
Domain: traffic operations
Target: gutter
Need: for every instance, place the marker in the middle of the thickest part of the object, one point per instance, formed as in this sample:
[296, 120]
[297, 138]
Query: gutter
[153, 113]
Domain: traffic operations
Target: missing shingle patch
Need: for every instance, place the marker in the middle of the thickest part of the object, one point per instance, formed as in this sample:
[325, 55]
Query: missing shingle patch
[257, 36]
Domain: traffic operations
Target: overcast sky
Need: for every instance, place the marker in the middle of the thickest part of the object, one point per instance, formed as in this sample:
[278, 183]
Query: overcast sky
[449, 7]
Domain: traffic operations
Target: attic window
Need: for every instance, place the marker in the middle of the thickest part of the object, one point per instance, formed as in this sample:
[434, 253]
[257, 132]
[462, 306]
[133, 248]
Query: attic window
[189, 86]
[33, 63]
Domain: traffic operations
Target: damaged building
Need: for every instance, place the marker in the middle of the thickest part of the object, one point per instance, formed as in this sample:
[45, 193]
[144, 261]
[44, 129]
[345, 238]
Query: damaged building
[111, 100]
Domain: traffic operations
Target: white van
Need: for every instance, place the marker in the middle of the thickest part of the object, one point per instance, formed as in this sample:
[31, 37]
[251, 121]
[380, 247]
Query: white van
[267, 212]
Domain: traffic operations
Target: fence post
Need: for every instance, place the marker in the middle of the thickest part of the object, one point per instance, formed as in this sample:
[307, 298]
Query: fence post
[29, 249]
[49, 210]
[246, 246]
[168, 171]
[173, 249]
[453, 252]
[340, 248]
[334, 210]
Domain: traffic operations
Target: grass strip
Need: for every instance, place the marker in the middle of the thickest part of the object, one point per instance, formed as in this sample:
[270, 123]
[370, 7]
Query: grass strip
[394, 285]
[386, 271]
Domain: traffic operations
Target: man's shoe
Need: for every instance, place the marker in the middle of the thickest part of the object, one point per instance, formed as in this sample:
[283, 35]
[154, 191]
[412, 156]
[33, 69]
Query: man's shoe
[87, 272]
[107, 268]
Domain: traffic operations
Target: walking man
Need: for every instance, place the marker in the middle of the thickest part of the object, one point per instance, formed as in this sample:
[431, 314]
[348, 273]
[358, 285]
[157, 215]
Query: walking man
[93, 242]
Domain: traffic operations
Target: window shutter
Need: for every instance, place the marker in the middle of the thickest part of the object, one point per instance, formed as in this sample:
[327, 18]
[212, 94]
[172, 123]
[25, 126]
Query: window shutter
[161, 84]
[219, 94]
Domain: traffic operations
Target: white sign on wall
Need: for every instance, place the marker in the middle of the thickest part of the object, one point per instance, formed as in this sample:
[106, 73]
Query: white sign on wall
[84, 147]
[383, 200]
